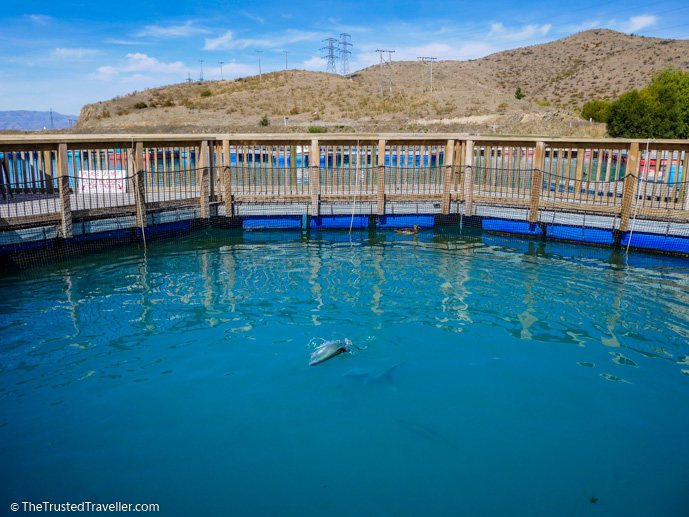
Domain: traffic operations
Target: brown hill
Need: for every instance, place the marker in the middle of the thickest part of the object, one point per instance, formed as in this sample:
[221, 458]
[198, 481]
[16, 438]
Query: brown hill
[471, 96]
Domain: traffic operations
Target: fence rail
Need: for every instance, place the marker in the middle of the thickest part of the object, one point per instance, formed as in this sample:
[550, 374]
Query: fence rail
[42, 179]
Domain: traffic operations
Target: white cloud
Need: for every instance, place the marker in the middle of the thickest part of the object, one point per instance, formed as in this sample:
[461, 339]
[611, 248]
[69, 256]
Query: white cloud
[529, 31]
[74, 53]
[220, 43]
[315, 63]
[253, 17]
[114, 41]
[635, 23]
[227, 41]
[171, 31]
[286, 16]
[40, 19]
[136, 63]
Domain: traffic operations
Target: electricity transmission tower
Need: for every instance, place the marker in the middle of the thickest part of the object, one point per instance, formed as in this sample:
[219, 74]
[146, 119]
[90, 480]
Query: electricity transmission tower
[388, 63]
[260, 77]
[201, 77]
[344, 53]
[286, 52]
[221, 64]
[331, 67]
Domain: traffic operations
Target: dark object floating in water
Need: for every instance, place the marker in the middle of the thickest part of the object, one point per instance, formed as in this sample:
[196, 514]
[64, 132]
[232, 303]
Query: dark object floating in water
[329, 349]
[588, 365]
[593, 499]
[374, 375]
[427, 434]
[408, 231]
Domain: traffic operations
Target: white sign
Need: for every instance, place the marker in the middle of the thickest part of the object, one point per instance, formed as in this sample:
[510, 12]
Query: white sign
[102, 182]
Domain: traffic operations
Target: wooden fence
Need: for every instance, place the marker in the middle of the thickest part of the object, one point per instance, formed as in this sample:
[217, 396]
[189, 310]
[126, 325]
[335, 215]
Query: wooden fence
[49, 179]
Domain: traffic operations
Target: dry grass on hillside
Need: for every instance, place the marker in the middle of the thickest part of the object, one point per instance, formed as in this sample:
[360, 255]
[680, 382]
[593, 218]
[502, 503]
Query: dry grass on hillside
[469, 96]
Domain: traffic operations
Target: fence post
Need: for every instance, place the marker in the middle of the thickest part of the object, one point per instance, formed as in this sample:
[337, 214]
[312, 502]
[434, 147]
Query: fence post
[140, 185]
[63, 188]
[315, 176]
[537, 181]
[204, 179]
[227, 177]
[48, 172]
[381, 177]
[468, 178]
[447, 178]
[682, 165]
[629, 188]
[292, 165]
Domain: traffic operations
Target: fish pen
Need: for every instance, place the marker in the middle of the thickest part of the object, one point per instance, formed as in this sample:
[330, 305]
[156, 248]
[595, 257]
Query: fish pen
[58, 195]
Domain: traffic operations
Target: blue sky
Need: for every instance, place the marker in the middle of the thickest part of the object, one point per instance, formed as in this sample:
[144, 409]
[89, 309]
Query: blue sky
[62, 55]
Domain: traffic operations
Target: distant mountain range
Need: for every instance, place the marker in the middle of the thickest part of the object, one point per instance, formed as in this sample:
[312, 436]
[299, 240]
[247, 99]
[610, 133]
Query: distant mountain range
[35, 120]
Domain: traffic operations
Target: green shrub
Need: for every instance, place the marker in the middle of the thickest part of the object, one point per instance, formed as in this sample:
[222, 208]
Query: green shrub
[140, 105]
[661, 110]
[596, 110]
[265, 121]
[519, 95]
[317, 129]
[206, 93]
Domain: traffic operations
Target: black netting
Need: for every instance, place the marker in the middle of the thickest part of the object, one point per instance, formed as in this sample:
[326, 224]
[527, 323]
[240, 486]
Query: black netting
[581, 196]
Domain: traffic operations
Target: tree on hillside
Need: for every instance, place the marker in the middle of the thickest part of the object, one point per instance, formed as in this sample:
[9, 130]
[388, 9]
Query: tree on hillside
[596, 111]
[519, 95]
[661, 110]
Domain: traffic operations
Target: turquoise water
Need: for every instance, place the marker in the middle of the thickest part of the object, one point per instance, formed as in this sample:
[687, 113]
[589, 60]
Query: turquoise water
[492, 376]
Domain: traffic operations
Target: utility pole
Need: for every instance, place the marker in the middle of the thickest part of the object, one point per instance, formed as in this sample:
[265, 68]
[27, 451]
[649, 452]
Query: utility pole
[381, 71]
[431, 59]
[52, 126]
[260, 77]
[201, 78]
[390, 52]
[221, 64]
[423, 71]
[286, 52]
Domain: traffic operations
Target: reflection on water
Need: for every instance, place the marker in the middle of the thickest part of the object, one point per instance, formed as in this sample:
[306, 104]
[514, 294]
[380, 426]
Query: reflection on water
[455, 284]
[480, 369]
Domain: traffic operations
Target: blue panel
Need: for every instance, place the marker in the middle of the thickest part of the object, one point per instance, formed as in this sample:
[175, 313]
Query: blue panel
[573, 233]
[508, 226]
[161, 231]
[25, 247]
[271, 223]
[657, 242]
[339, 221]
[123, 235]
[405, 221]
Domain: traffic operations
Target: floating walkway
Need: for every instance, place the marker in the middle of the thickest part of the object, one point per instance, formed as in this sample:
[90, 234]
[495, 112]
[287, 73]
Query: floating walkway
[61, 194]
